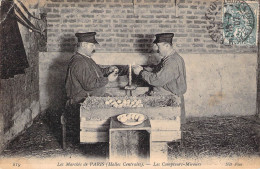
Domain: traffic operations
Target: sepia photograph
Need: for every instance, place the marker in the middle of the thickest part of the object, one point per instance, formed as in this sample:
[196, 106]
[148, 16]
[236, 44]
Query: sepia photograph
[129, 84]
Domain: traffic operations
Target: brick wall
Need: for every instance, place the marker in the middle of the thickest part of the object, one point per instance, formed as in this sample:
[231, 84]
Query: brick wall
[258, 73]
[130, 25]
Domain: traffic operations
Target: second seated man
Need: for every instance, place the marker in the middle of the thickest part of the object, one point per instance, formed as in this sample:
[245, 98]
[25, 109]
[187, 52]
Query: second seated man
[169, 76]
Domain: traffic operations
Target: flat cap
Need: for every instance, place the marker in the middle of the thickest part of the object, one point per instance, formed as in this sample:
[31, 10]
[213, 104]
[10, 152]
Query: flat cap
[86, 37]
[164, 37]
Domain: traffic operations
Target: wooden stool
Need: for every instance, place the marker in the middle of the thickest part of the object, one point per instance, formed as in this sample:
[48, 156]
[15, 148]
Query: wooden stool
[68, 114]
[129, 142]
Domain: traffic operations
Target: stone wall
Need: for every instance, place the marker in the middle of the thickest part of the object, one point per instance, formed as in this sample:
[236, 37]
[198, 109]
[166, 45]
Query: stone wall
[19, 96]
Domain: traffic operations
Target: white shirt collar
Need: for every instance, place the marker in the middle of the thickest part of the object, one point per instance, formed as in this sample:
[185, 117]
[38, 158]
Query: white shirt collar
[83, 54]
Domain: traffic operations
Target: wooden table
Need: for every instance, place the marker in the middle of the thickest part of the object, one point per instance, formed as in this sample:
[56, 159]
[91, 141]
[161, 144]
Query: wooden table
[129, 142]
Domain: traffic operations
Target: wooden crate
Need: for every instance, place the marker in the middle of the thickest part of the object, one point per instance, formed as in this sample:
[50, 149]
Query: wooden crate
[95, 115]
[165, 122]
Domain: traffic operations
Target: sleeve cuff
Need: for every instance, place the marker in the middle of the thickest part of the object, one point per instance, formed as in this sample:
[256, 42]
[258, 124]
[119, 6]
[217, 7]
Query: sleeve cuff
[140, 73]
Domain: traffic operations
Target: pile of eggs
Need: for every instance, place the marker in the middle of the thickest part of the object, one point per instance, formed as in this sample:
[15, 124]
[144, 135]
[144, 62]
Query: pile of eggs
[124, 103]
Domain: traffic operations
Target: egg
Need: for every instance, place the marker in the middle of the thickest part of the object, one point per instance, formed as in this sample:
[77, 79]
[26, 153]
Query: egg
[133, 116]
[137, 117]
[139, 101]
[119, 101]
[127, 105]
[115, 102]
[115, 105]
[123, 119]
[129, 116]
[141, 118]
[140, 105]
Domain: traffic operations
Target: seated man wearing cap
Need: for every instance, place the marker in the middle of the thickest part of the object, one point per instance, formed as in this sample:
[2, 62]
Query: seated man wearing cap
[84, 76]
[169, 76]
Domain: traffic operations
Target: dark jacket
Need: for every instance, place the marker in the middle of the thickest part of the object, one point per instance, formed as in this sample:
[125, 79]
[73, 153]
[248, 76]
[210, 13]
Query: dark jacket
[84, 78]
[170, 74]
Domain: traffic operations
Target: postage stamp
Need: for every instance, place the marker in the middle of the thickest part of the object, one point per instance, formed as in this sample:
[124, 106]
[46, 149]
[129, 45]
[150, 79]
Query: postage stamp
[238, 25]
[239, 22]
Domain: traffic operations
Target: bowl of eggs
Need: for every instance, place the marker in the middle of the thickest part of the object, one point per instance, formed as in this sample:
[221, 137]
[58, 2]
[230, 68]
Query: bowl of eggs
[131, 119]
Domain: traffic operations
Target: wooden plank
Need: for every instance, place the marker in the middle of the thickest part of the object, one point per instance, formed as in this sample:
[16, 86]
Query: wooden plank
[93, 137]
[84, 120]
[103, 125]
[165, 135]
[99, 114]
[154, 113]
[166, 124]
[86, 123]
[92, 125]
[99, 129]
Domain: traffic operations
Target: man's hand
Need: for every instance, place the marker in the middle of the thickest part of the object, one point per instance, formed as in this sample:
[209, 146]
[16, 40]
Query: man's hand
[137, 69]
[148, 69]
[112, 77]
[113, 69]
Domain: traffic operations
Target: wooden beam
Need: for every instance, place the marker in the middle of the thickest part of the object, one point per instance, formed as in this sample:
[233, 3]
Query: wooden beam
[154, 113]
[166, 124]
[93, 137]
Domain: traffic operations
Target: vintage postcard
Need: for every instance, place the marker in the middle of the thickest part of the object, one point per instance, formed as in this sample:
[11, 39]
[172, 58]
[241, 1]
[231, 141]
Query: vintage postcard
[129, 84]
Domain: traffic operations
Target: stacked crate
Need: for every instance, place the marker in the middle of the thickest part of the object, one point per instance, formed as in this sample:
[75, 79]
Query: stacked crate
[165, 122]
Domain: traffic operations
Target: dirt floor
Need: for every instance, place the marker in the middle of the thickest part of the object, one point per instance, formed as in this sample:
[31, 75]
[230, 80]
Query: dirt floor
[212, 136]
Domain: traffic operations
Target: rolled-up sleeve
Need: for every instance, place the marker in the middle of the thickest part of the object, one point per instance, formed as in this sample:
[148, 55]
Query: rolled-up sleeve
[168, 72]
[88, 78]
